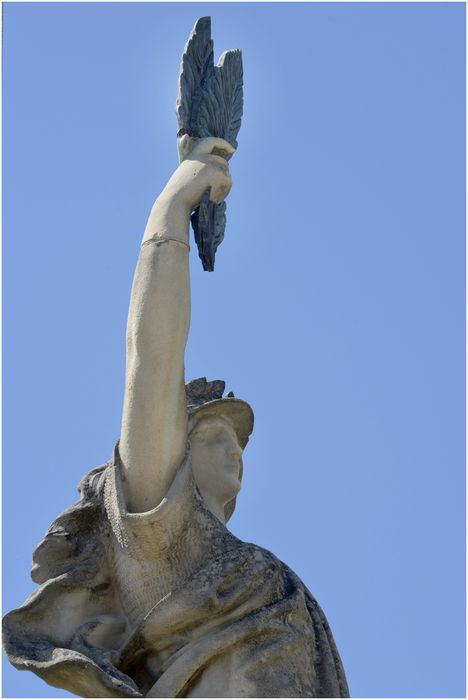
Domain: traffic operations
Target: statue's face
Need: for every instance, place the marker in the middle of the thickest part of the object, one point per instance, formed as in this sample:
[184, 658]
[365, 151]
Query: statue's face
[216, 462]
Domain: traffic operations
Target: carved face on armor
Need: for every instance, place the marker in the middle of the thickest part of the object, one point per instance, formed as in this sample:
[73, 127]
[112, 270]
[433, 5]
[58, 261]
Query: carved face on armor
[216, 462]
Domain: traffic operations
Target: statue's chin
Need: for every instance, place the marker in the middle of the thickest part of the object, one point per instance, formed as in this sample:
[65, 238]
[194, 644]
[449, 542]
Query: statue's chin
[217, 498]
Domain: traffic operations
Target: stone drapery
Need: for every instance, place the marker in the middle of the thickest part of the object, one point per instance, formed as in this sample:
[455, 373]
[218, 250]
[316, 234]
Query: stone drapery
[167, 604]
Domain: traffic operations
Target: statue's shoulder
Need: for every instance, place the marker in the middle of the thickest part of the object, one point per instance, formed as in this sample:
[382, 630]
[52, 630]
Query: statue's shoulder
[264, 559]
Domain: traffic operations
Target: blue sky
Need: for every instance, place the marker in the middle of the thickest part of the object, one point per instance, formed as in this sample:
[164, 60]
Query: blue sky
[336, 307]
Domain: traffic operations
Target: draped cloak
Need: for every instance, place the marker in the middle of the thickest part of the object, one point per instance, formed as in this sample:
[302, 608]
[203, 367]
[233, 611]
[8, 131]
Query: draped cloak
[166, 603]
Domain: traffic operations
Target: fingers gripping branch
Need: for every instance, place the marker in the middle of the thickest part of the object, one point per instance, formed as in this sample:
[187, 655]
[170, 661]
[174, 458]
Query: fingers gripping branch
[205, 166]
[212, 146]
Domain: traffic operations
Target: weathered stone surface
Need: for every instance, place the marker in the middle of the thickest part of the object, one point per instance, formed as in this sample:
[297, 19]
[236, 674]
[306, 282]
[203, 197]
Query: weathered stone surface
[143, 591]
[167, 604]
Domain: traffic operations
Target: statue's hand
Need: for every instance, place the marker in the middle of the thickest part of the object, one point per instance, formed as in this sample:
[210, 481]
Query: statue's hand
[205, 166]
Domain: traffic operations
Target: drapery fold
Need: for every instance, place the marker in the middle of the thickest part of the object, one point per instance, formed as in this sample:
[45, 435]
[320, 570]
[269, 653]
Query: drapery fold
[237, 622]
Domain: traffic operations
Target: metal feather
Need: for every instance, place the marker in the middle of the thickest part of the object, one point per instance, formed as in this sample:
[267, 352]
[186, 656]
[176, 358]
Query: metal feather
[209, 103]
[196, 67]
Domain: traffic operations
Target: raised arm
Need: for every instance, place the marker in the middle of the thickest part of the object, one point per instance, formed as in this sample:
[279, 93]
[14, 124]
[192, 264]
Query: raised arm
[154, 419]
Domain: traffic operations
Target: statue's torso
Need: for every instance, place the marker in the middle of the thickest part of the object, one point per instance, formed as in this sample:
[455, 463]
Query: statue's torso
[168, 604]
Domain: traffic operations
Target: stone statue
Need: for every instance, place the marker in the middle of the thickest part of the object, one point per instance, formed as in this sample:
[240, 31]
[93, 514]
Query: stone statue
[143, 591]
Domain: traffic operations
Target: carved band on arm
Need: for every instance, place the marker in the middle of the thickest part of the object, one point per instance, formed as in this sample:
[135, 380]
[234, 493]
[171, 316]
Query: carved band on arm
[164, 239]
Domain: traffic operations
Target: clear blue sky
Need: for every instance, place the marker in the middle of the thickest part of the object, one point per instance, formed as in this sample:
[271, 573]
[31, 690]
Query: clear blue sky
[336, 307]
